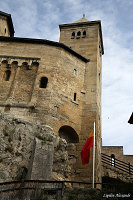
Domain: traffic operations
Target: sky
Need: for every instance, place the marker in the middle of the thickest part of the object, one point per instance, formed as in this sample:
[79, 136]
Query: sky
[40, 19]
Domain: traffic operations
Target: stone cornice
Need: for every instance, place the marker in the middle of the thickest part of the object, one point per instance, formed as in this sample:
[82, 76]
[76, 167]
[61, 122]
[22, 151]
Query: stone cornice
[19, 60]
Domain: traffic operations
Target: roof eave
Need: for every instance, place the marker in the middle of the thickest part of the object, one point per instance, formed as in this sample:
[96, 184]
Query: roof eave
[42, 41]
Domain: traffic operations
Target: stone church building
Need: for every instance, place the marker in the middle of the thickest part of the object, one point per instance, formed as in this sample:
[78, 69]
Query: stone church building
[56, 83]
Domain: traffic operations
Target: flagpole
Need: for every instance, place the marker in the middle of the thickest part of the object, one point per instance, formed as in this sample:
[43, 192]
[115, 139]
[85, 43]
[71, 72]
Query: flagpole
[93, 185]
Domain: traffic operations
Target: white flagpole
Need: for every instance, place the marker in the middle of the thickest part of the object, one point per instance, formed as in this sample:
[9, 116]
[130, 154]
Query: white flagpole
[94, 159]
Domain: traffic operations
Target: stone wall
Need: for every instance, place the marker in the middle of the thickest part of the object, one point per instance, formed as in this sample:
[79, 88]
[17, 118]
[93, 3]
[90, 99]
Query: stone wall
[52, 104]
[4, 29]
[72, 97]
[31, 151]
[117, 151]
[89, 46]
[55, 106]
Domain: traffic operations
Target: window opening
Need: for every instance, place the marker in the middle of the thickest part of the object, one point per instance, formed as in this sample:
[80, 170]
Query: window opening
[84, 33]
[112, 160]
[75, 72]
[5, 63]
[7, 75]
[78, 34]
[73, 35]
[5, 30]
[43, 82]
[75, 96]
[99, 75]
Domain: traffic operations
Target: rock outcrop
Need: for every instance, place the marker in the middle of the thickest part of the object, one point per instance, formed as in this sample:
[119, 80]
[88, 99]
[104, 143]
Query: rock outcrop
[31, 151]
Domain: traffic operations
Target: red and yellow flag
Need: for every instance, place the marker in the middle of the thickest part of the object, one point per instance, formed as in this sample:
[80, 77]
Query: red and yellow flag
[85, 153]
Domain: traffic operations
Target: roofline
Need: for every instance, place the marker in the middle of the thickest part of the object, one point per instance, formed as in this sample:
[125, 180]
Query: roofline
[80, 24]
[113, 146]
[10, 23]
[42, 41]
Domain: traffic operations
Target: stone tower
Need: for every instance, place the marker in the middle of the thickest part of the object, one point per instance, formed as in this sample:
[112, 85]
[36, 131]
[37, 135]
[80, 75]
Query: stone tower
[56, 84]
[6, 25]
[85, 37]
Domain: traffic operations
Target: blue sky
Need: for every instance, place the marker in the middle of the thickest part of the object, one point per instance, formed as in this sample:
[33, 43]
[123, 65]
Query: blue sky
[40, 19]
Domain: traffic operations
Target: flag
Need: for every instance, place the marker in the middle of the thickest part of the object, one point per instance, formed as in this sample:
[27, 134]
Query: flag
[85, 153]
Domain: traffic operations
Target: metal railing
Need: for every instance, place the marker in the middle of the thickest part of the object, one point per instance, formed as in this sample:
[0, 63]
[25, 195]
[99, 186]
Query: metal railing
[41, 189]
[122, 166]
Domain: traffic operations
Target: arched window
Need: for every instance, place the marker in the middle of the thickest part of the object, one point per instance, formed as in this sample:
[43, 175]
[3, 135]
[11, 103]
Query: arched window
[5, 63]
[73, 35]
[15, 63]
[7, 75]
[43, 82]
[35, 63]
[25, 65]
[78, 34]
[84, 34]
[69, 134]
[112, 160]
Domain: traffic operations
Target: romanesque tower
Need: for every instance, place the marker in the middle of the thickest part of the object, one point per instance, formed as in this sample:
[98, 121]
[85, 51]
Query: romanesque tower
[85, 37]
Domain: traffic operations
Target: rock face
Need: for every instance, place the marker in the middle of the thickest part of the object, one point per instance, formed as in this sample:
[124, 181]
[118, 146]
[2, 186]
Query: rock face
[31, 151]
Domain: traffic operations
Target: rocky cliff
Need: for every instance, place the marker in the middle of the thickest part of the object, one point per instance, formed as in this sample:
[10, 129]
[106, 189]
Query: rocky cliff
[31, 151]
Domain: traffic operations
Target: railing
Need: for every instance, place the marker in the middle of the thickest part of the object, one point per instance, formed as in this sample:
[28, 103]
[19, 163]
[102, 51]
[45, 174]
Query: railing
[31, 189]
[45, 184]
[39, 189]
[43, 189]
[122, 166]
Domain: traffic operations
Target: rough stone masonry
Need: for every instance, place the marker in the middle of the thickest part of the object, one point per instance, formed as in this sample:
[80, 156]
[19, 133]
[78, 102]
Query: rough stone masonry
[31, 151]
[55, 84]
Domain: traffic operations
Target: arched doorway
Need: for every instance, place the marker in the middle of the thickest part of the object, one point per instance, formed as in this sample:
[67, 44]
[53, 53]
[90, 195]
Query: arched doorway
[69, 134]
